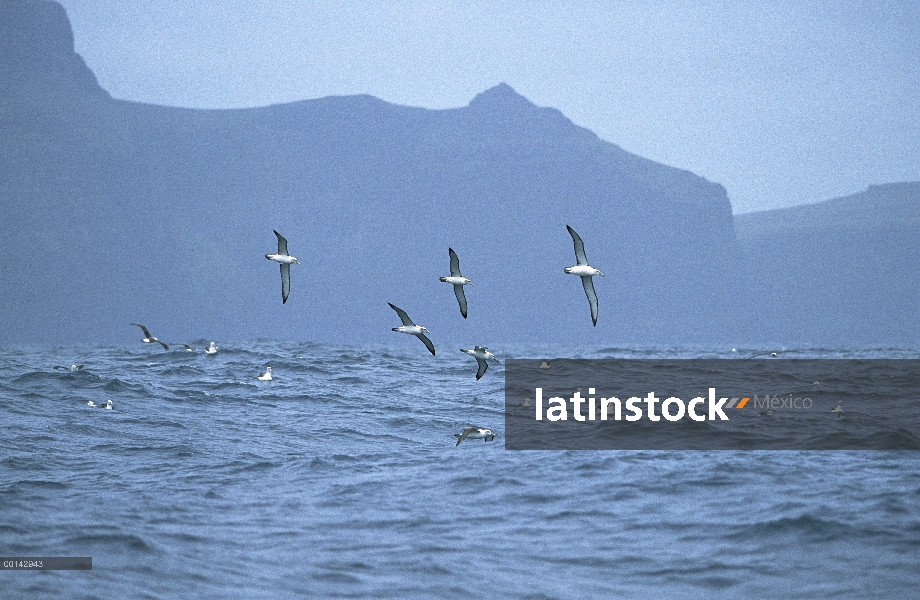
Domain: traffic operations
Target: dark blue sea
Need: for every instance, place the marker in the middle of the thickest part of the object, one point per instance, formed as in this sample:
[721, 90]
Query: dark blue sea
[341, 478]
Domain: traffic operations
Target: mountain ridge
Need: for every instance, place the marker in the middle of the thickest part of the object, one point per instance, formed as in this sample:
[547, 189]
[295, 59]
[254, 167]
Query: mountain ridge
[162, 215]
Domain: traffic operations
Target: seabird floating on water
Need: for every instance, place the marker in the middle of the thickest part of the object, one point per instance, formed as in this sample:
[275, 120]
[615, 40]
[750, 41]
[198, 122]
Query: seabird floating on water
[586, 272]
[107, 405]
[474, 433]
[285, 259]
[457, 280]
[768, 413]
[839, 408]
[70, 368]
[411, 328]
[267, 375]
[211, 350]
[481, 354]
[763, 354]
[148, 339]
[544, 365]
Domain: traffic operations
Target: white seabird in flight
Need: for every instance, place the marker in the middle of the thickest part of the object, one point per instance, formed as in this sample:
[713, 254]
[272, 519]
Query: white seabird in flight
[149, 339]
[285, 259]
[586, 272]
[411, 328]
[481, 354]
[267, 375]
[474, 433]
[457, 280]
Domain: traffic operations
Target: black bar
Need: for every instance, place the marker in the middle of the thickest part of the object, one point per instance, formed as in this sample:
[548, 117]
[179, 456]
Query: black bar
[766, 404]
[46, 563]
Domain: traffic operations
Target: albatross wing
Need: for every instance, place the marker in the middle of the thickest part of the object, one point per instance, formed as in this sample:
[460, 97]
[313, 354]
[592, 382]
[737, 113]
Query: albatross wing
[588, 282]
[282, 244]
[483, 365]
[144, 329]
[461, 298]
[407, 321]
[462, 436]
[454, 263]
[580, 257]
[285, 279]
[426, 341]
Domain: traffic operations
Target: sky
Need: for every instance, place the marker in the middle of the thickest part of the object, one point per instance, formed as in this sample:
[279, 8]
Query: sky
[783, 103]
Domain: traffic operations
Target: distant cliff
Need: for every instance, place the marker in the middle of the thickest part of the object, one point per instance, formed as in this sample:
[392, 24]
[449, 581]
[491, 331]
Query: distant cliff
[118, 212]
[843, 270]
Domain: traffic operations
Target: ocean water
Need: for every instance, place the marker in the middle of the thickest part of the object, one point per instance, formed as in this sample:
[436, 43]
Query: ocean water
[341, 478]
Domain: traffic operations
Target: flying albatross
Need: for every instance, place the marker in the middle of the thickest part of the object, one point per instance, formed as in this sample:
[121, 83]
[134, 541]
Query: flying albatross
[148, 339]
[481, 354]
[475, 433]
[285, 259]
[458, 280]
[411, 328]
[586, 272]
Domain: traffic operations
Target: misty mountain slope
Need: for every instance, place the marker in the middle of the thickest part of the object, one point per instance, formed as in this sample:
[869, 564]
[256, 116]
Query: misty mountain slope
[163, 215]
[845, 268]
[118, 212]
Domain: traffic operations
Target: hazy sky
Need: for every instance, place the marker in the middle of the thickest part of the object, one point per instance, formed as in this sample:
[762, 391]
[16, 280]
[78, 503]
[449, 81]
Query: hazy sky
[781, 102]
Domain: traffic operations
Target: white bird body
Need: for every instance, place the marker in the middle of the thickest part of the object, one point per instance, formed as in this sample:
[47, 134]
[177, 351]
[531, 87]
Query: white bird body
[583, 271]
[212, 349]
[457, 280]
[283, 259]
[267, 376]
[480, 352]
[838, 408]
[107, 405]
[475, 433]
[411, 329]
